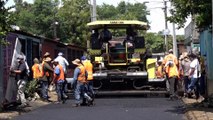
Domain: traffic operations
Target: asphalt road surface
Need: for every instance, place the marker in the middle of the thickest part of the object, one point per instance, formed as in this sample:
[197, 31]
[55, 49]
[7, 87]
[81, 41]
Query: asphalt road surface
[112, 108]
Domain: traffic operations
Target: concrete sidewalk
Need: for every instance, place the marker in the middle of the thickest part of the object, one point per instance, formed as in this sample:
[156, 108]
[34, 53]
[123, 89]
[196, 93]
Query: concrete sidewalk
[195, 110]
[11, 113]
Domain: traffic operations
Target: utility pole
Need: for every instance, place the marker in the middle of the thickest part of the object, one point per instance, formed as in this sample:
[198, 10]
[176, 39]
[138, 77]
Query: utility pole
[94, 11]
[175, 51]
[55, 30]
[166, 31]
[55, 23]
[93, 17]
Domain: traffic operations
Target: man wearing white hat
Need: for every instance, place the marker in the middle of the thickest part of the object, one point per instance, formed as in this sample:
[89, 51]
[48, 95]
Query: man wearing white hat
[80, 76]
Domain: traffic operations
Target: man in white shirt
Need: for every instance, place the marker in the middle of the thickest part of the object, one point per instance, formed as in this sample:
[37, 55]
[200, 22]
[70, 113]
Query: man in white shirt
[62, 61]
[194, 75]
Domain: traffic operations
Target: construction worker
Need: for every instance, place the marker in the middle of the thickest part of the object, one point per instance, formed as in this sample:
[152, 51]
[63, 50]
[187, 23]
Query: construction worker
[36, 69]
[159, 69]
[64, 63]
[45, 79]
[89, 68]
[170, 63]
[80, 75]
[58, 79]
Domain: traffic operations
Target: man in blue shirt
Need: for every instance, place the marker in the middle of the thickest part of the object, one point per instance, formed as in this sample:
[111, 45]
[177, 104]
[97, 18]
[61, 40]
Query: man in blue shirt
[79, 77]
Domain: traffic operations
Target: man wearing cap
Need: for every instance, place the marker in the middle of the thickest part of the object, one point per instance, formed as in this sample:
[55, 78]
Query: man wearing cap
[21, 80]
[170, 64]
[80, 76]
[89, 68]
[45, 79]
[64, 63]
[59, 80]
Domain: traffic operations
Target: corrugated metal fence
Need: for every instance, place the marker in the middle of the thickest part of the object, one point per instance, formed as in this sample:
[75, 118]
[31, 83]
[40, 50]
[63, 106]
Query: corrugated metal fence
[206, 46]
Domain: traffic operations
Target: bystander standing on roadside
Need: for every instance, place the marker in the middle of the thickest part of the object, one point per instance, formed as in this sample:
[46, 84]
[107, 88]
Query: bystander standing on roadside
[194, 75]
[185, 65]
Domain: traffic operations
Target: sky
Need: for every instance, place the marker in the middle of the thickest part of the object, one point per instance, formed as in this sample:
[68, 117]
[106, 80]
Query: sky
[156, 17]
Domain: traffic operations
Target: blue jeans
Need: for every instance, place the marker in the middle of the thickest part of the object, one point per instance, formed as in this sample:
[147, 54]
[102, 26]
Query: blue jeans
[79, 92]
[90, 88]
[60, 90]
[194, 85]
[186, 83]
[44, 91]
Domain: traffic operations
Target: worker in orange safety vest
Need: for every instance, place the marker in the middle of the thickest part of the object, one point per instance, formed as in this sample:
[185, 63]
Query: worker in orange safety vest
[80, 76]
[59, 81]
[159, 69]
[89, 85]
[170, 63]
[37, 74]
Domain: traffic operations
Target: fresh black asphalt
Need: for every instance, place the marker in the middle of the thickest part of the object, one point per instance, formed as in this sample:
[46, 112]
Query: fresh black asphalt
[111, 108]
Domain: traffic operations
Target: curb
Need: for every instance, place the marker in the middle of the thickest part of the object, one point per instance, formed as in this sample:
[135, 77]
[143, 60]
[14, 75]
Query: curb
[194, 113]
[10, 114]
[189, 114]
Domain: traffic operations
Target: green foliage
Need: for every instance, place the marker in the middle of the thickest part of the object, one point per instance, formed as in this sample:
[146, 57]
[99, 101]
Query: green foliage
[5, 19]
[201, 9]
[36, 18]
[124, 11]
[155, 41]
[31, 88]
[180, 38]
[73, 17]
[106, 12]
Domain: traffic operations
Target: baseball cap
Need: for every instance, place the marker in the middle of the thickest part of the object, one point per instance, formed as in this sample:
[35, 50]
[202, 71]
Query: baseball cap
[83, 58]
